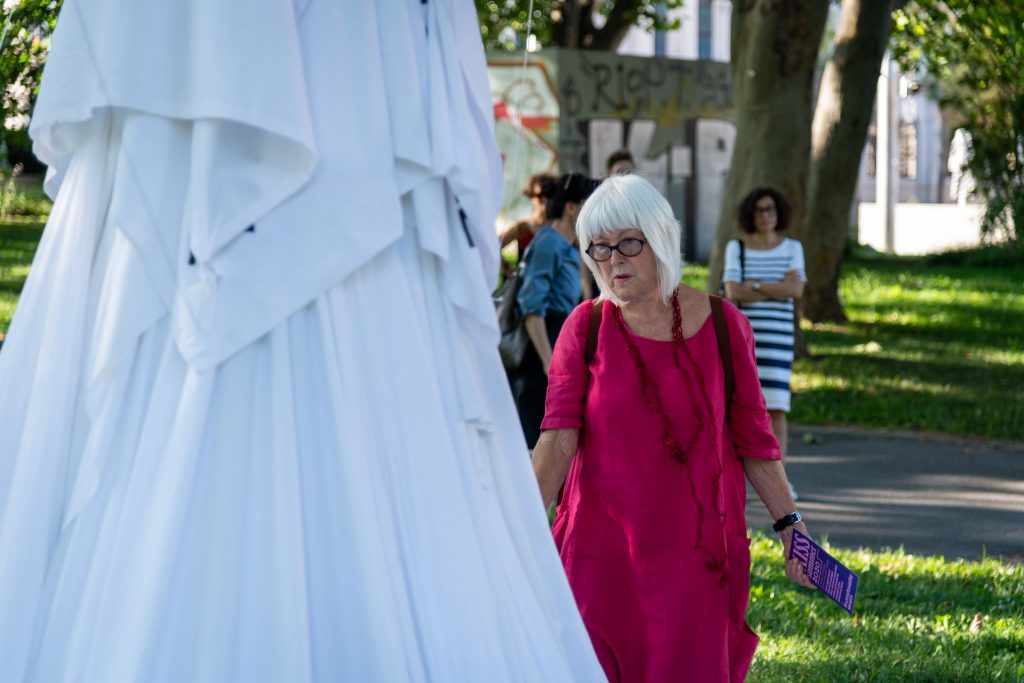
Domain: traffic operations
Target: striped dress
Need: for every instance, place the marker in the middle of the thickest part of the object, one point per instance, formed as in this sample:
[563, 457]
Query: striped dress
[772, 320]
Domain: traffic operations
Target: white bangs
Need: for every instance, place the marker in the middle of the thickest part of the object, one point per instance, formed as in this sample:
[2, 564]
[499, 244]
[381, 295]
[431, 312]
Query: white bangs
[625, 202]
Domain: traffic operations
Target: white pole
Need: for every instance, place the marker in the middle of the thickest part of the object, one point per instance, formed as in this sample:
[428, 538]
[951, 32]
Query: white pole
[886, 135]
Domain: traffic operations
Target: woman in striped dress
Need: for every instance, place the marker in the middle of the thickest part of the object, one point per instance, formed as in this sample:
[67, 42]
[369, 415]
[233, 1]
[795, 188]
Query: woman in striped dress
[764, 275]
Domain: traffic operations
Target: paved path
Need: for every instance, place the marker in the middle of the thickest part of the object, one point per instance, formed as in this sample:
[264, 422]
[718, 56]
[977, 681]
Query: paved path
[932, 495]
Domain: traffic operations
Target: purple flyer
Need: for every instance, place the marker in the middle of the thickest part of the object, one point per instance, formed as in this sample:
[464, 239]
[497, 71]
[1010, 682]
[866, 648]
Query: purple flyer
[826, 572]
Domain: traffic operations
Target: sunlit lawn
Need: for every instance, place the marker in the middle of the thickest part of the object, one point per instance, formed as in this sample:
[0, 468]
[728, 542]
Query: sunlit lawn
[912, 621]
[927, 347]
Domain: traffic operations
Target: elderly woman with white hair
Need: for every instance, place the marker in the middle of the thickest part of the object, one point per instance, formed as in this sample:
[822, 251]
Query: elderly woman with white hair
[652, 448]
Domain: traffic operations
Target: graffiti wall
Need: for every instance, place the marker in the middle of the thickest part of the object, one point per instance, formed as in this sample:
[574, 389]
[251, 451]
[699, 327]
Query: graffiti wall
[575, 107]
[526, 111]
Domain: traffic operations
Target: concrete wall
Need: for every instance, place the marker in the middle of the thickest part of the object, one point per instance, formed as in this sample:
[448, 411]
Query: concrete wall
[922, 228]
[675, 116]
[932, 182]
[528, 145]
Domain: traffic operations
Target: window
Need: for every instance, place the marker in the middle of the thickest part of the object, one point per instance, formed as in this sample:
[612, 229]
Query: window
[872, 150]
[908, 151]
[704, 29]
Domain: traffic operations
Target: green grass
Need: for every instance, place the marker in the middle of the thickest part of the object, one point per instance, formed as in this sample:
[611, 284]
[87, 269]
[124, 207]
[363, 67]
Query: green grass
[912, 620]
[18, 241]
[932, 344]
[695, 275]
[23, 197]
[927, 347]
[24, 209]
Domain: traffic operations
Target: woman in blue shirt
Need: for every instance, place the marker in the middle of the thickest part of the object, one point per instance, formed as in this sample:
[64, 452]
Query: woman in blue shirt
[549, 293]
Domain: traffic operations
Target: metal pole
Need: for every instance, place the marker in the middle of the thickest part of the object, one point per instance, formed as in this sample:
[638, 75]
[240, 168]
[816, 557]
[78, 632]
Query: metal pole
[886, 169]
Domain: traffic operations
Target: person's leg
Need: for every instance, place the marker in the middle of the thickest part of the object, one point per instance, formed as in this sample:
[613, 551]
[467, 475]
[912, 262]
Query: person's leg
[529, 389]
[780, 427]
[531, 407]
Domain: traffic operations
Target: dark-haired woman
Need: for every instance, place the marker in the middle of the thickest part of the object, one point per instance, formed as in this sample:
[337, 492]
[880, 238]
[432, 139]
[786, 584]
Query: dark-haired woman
[764, 275]
[538, 190]
[550, 291]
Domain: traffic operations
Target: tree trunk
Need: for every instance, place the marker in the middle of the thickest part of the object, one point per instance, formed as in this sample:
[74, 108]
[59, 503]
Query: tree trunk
[774, 52]
[845, 102]
[577, 30]
[566, 32]
[616, 26]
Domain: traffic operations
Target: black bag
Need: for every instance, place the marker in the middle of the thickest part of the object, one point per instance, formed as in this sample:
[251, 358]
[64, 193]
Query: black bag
[743, 260]
[511, 323]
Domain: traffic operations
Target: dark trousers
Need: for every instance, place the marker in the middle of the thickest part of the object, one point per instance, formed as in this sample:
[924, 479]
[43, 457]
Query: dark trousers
[530, 384]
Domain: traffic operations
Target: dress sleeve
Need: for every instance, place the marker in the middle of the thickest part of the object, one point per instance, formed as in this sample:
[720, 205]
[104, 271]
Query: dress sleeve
[568, 375]
[749, 423]
[538, 275]
[731, 270]
[797, 260]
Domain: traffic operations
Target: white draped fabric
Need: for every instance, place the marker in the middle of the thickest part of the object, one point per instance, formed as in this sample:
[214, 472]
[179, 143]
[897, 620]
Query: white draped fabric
[254, 422]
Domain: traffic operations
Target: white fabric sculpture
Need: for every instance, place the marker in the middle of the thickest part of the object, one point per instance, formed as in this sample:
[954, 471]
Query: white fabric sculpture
[255, 427]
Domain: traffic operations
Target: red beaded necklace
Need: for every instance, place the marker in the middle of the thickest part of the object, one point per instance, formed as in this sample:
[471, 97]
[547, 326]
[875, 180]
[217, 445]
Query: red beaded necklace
[676, 450]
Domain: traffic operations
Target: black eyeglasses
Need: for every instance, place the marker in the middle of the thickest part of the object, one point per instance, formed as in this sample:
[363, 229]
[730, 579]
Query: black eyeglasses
[764, 210]
[631, 246]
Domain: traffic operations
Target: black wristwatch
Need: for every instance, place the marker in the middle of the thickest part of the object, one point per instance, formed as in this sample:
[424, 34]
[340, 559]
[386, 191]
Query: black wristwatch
[787, 521]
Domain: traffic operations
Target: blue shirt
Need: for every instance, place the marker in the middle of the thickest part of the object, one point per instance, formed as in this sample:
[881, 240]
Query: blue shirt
[551, 276]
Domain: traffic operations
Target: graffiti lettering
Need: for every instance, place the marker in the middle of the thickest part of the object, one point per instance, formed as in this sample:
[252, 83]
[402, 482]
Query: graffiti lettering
[640, 87]
[714, 86]
[674, 116]
[600, 75]
[523, 93]
[572, 100]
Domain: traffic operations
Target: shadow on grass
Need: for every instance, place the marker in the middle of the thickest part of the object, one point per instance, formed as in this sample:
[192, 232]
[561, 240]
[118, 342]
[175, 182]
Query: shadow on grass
[18, 243]
[27, 231]
[973, 379]
[963, 411]
[911, 272]
[970, 320]
[980, 325]
[12, 286]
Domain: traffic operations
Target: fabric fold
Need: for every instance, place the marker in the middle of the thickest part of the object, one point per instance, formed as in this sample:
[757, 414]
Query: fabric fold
[40, 371]
[258, 425]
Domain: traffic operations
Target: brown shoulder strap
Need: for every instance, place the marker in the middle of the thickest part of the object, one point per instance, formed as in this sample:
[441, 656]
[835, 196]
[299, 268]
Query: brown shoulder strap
[724, 349]
[595, 323]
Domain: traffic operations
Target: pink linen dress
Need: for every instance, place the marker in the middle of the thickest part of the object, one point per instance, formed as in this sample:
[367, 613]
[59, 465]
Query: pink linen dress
[656, 551]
